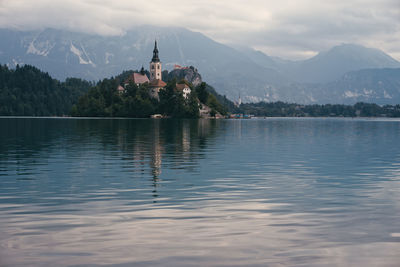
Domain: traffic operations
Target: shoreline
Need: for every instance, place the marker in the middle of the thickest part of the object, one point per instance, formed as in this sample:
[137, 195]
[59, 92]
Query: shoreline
[253, 118]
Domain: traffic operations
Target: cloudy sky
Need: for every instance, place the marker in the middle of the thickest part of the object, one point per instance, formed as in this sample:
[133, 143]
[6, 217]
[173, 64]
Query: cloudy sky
[293, 29]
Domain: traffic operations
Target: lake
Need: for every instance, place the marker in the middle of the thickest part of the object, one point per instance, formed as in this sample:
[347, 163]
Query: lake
[257, 192]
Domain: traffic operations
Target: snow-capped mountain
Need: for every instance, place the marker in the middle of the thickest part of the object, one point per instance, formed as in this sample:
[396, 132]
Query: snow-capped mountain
[252, 74]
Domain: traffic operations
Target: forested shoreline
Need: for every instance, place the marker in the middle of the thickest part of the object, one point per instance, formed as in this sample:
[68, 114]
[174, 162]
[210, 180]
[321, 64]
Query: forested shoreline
[281, 109]
[27, 91]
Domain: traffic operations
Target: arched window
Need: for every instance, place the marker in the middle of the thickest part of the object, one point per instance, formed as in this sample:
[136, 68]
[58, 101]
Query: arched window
[158, 66]
[152, 67]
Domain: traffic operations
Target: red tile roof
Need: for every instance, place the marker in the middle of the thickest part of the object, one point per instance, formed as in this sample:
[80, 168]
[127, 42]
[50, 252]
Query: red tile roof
[138, 78]
[182, 86]
[157, 83]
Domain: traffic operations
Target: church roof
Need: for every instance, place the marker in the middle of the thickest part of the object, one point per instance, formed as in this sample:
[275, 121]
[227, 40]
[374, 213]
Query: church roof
[138, 78]
[157, 83]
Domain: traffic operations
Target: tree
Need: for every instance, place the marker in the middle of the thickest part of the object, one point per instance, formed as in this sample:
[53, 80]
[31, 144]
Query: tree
[202, 93]
[193, 106]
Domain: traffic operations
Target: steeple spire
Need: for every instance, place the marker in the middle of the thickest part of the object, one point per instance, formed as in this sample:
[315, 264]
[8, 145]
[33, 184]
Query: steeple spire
[155, 53]
[155, 65]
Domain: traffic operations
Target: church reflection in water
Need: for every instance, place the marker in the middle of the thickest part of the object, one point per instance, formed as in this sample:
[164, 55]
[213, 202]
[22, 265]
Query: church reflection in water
[175, 143]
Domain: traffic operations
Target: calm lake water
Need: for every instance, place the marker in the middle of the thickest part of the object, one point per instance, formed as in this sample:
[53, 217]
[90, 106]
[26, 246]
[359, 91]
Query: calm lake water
[260, 192]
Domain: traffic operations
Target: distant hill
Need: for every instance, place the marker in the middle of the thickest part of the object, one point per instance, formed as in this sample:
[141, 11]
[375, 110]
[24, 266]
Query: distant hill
[381, 86]
[326, 66]
[252, 74]
[330, 65]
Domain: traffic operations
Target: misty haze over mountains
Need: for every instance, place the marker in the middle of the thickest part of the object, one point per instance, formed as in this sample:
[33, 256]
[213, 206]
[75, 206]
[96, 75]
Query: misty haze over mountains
[344, 74]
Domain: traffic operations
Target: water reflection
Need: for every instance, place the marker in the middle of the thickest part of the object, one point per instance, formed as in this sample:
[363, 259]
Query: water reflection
[273, 192]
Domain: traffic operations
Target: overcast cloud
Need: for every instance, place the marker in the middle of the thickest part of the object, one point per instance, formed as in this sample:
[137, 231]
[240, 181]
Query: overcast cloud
[289, 29]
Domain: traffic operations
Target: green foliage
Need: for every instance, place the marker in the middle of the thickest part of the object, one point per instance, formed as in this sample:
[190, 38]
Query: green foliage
[208, 96]
[193, 106]
[202, 93]
[215, 106]
[104, 100]
[27, 91]
[226, 103]
[172, 103]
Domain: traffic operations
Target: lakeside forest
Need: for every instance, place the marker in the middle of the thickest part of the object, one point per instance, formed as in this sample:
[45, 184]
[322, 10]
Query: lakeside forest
[27, 91]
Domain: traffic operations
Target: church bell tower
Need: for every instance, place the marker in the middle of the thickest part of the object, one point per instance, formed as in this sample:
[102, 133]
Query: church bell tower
[155, 65]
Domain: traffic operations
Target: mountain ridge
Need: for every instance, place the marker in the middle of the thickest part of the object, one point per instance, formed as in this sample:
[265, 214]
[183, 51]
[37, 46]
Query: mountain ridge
[250, 73]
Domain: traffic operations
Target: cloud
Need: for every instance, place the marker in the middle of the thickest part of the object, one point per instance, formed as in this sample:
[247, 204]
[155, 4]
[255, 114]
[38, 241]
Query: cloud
[284, 28]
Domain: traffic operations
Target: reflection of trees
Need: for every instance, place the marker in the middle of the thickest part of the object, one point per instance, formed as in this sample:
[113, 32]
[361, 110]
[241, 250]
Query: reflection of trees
[146, 143]
[178, 142]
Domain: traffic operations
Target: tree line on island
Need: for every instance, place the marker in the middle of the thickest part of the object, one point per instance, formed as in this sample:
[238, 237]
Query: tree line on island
[103, 100]
[27, 91]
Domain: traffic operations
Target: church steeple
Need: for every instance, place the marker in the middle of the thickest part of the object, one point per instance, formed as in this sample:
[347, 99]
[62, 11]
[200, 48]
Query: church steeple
[155, 53]
[155, 65]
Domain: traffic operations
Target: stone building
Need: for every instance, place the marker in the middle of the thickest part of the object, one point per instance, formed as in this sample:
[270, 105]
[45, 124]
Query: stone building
[155, 86]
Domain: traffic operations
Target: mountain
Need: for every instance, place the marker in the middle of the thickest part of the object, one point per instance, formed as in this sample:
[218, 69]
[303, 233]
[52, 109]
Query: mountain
[344, 74]
[250, 73]
[330, 65]
[65, 54]
[380, 86]
[326, 66]
[261, 58]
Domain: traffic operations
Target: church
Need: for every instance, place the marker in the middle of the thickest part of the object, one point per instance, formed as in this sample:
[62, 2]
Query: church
[155, 83]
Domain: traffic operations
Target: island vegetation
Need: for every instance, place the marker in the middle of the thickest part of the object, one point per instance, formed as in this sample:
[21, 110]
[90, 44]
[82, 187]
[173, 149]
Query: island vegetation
[104, 100]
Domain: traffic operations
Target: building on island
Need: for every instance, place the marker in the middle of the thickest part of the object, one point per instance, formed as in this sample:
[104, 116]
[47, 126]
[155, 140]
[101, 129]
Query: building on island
[155, 86]
[120, 89]
[138, 78]
[155, 65]
[185, 89]
[155, 83]
[238, 103]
